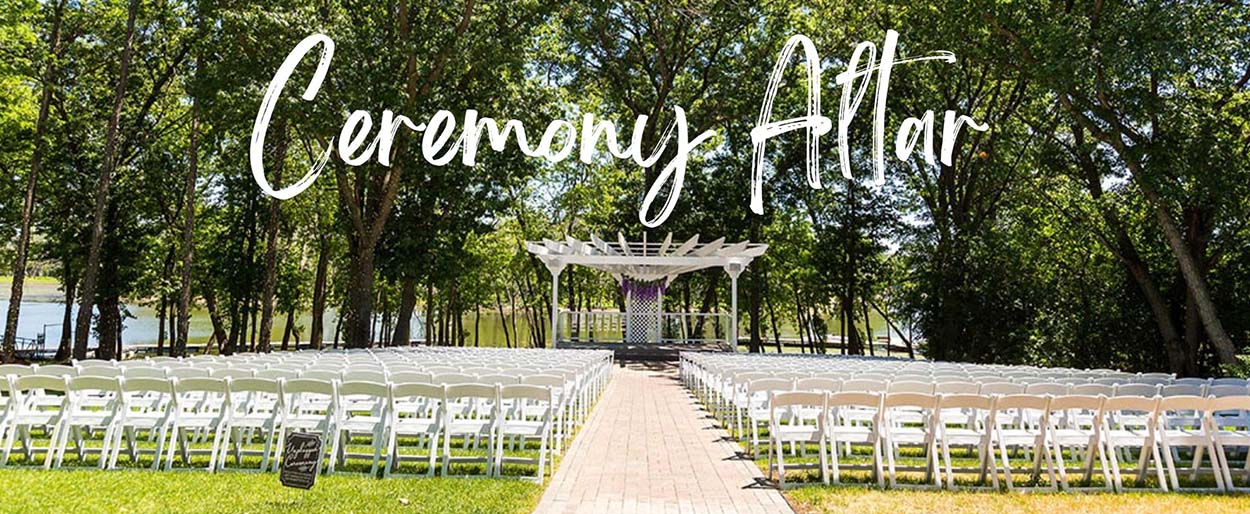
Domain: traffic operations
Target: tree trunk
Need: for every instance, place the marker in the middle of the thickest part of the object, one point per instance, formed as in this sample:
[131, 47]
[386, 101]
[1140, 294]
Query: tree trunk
[160, 323]
[64, 350]
[179, 347]
[319, 292]
[1121, 245]
[290, 325]
[271, 243]
[110, 321]
[407, 303]
[359, 308]
[32, 180]
[503, 322]
[91, 273]
[772, 313]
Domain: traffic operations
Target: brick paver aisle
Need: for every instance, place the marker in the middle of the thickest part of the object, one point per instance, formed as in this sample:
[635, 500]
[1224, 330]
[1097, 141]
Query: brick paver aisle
[647, 447]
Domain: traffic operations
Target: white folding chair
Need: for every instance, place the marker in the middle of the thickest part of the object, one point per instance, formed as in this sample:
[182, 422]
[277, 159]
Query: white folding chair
[470, 425]
[200, 407]
[531, 418]
[368, 413]
[147, 404]
[1180, 422]
[1012, 430]
[84, 413]
[964, 420]
[910, 418]
[1076, 425]
[854, 418]
[256, 406]
[1232, 435]
[798, 431]
[311, 405]
[1118, 435]
[33, 407]
[416, 412]
[753, 406]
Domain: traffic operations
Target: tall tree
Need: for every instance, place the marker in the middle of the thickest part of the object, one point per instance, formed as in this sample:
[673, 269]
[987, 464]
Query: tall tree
[91, 274]
[32, 180]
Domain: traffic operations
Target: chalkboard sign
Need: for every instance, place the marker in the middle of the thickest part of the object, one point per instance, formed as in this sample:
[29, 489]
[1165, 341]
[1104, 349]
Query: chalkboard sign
[301, 460]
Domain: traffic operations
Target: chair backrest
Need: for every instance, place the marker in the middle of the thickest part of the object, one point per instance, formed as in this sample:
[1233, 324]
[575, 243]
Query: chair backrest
[1076, 402]
[965, 401]
[365, 375]
[234, 373]
[769, 384]
[1182, 390]
[1130, 403]
[783, 399]
[529, 392]
[401, 377]
[855, 399]
[907, 386]
[461, 391]
[143, 372]
[94, 383]
[1001, 388]
[201, 384]
[1192, 381]
[1092, 390]
[910, 399]
[1021, 401]
[56, 370]
[308, 385]
[17, 370]
[1183, 403]
[356, 387]
[544, 380]
[819, 384]
[435, 370]
[100, 371]
[1229, 403]
[956, 387]
[42, 382]
[864, 385]
[1111, 381]
[256, 385]
[147, 384]
[417, 389]
[277, 374]
[320, 375]
[497, 378]
[453, 378]
[184, 373]
[1136, 390]
[1241, 382]
[1220, 391]
[1051, 388]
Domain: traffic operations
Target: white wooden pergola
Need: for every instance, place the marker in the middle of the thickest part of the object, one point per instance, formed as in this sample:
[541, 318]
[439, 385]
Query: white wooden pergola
[644, 261]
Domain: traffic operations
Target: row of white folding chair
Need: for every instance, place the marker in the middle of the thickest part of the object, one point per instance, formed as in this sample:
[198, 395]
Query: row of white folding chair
[750, 405]
[226, 408]
[999, 429]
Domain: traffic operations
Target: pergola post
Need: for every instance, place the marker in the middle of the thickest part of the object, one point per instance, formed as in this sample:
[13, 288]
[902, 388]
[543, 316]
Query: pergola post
[733, 269]
[555, 266]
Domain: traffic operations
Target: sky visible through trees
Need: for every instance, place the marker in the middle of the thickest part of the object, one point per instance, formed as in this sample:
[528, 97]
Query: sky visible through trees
[1099, 219]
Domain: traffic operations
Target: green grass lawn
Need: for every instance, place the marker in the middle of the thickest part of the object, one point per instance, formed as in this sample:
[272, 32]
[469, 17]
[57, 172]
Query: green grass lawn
[874, 501]
[859, 494]
[87, 491]
[134, 488]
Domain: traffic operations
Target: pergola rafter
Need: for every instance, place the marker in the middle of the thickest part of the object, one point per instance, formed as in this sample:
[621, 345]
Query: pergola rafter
[642, 261]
